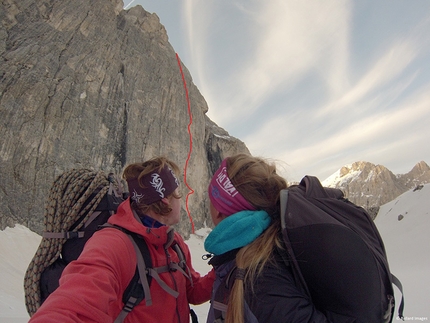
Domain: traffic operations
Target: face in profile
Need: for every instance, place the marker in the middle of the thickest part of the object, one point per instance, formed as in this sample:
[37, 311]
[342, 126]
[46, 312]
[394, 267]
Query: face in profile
[175, 204]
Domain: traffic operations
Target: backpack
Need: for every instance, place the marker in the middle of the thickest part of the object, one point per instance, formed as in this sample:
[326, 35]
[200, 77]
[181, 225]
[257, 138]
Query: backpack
[80, 203]
[337, 255]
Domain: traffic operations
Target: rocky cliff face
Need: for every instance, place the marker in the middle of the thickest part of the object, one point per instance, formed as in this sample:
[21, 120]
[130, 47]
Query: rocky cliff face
[371, 186]
[87, 84]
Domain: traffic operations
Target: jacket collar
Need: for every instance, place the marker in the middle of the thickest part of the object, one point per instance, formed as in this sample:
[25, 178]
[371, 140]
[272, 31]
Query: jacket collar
[125, 218]
[225, 257]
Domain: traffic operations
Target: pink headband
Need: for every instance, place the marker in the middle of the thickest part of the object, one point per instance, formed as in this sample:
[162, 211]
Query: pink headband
[224, 196]
[153, 187]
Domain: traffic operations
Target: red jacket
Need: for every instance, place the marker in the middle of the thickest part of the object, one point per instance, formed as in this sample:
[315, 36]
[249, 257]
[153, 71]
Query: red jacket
[91, 287]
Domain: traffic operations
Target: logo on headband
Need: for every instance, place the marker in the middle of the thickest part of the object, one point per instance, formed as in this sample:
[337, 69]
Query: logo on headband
[217, 195]
[157, 184]
[154, 186]
[225, 183]
[174, 176]
[136, 197]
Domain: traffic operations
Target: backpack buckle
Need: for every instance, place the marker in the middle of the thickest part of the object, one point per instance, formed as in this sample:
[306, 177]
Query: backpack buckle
[74, 234]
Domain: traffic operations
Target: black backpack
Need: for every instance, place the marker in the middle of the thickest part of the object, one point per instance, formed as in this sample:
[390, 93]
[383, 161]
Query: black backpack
[337, 255]
[80, 203]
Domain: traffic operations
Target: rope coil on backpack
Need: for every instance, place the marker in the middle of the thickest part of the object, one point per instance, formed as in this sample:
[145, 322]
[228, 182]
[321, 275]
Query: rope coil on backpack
[67, 196]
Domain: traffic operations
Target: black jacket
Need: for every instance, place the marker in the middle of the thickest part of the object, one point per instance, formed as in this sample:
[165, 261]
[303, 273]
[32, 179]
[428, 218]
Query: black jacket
[273, 296]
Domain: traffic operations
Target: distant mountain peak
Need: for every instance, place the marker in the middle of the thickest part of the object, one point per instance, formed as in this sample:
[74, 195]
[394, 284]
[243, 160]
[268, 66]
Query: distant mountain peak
[370, 185]
[421, 167]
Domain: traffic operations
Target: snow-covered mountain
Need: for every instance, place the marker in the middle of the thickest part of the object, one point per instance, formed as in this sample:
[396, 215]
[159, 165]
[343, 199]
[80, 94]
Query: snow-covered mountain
[371, 186]
[404, 225]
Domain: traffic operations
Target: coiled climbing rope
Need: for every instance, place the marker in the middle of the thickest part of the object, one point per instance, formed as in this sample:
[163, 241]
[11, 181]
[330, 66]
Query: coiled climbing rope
[68, 194]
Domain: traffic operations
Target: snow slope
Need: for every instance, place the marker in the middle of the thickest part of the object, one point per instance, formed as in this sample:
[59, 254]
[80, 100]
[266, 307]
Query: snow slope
[17, 248]
[407, 243]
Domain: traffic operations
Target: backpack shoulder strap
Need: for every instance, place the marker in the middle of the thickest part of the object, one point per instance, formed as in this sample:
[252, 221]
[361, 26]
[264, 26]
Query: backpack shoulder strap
[222, 295]
[398, 284]
[182, 264]
[297, 274]
[138, 288]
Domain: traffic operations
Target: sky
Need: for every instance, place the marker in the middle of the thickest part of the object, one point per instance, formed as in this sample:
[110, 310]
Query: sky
[314, 84]
[407, 243]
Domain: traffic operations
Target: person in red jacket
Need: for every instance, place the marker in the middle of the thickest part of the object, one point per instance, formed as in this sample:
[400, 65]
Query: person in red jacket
[91, 288]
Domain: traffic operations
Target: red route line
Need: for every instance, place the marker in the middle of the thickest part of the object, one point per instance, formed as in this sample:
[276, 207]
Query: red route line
[191, 191]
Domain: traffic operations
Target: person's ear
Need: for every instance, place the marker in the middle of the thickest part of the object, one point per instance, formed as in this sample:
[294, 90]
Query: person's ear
[165, 200]
[220, 216]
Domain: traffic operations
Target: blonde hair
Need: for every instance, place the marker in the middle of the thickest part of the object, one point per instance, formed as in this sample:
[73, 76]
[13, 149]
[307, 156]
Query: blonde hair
[138, 170]
[258, 182]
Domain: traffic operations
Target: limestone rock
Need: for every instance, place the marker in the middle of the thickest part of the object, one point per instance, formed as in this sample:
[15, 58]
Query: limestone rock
[420, 174]
[88, 84]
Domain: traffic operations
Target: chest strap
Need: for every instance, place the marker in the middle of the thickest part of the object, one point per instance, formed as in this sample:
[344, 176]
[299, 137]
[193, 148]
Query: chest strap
[145, 271]
[154, 273]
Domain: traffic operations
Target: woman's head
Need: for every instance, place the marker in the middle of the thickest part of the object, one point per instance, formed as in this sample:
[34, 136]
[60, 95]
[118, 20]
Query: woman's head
[244, 182]
[153, 186]
[258, 184]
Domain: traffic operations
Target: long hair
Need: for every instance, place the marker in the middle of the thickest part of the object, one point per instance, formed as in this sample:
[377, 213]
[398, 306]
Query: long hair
[138, 170]
[258, 182]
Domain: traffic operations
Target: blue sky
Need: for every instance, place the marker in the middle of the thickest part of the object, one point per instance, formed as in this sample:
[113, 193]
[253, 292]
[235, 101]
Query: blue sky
[313, 84]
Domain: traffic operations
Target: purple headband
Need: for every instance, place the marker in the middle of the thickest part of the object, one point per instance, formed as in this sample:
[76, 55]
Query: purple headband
[224, 196]
[153, 187]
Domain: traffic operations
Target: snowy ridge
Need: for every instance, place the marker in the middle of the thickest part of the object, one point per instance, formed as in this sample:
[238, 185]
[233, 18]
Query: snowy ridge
[342, 176]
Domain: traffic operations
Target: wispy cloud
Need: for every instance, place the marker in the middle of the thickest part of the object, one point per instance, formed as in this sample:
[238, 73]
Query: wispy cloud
[388, 137]
[292, 39]
[392, 63]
